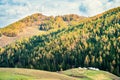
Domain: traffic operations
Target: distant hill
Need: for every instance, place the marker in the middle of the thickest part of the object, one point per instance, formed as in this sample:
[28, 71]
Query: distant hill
[35, 25]
[41, 21]
[72, 74]
[94, 42]
[14, 29]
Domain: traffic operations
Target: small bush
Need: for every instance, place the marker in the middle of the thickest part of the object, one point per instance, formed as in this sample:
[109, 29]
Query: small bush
[10, 34]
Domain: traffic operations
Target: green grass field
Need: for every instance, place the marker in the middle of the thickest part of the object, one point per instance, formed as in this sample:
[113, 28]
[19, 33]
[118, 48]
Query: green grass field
[30, 74]
[85, 74]
[9, 76]
[71, 74]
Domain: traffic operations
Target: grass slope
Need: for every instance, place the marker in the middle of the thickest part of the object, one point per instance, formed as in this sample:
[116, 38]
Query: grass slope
[72, 74]
[85, 74]
[29, 74]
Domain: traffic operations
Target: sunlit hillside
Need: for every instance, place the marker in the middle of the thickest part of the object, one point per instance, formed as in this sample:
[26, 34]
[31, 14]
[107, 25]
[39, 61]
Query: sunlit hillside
[35, 24]
[94, 42]
[72, 74]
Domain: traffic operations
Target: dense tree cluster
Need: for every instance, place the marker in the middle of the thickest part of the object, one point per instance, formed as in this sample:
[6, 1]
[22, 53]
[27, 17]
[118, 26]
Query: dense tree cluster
[94, 42]
[60, 22]
[52, 23]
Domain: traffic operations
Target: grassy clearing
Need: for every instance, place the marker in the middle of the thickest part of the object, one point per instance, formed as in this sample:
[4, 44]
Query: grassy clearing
[30, 74]
[9, 76]
[72, 74]
[84, 74]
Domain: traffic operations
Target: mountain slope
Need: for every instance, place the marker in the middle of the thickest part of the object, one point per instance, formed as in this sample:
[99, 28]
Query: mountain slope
[39, 20]
[14, 29]
[26, 33]
[35, 25]
[94, 42]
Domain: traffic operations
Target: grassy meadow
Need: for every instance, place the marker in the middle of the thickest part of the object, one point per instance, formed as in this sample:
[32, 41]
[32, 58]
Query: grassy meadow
[71, 74]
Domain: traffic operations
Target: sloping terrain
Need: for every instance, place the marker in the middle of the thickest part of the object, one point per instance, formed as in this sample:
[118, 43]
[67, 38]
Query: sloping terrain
[29, 74]
[14, 29]
[26, 33]
[35, 25]
[72, 74]
[87, 74]
[94, 42]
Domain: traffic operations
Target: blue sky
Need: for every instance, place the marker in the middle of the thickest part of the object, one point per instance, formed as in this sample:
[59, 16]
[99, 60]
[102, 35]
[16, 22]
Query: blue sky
[13, 10]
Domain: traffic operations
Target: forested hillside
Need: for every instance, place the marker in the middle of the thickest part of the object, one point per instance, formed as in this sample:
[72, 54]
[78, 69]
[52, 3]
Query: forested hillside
[35, 24]
[42, 22]
[94, 42]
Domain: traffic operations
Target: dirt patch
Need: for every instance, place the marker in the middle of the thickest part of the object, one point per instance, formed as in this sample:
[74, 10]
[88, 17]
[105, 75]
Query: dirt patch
[27, 32]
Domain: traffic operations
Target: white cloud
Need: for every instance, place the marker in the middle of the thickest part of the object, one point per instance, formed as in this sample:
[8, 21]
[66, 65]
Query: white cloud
[94, 7]
[13, 10]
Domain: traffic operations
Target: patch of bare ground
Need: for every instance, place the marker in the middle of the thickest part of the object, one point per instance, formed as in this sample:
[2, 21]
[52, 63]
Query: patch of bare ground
[27, 32]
